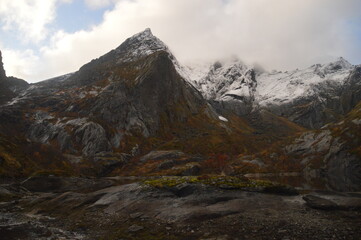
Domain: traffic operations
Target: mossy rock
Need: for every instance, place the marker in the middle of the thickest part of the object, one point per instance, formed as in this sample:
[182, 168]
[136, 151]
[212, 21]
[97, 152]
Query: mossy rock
[224, 182]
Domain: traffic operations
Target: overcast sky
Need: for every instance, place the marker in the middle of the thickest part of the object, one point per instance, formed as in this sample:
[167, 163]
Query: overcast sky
[41, 39]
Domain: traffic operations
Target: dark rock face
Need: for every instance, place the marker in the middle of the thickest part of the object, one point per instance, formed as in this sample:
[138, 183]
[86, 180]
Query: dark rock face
[344, 171]
[10, 87]
[140, 107]
[327, 155]
[351, 92]
[156, 97]
[2, 70]
[93, 137]
[5, 93]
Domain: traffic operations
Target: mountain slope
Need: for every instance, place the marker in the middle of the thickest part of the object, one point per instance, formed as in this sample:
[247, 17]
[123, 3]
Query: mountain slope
[330, 156]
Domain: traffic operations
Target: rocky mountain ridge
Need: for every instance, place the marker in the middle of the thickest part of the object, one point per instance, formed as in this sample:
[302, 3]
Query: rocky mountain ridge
[311, 97]
[114, 108]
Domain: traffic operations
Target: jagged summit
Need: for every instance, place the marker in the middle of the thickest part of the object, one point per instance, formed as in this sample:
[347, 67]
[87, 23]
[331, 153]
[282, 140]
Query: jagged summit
[146, 33]
[343, 62]
[139, 45]
[339, 64]
[131, 50]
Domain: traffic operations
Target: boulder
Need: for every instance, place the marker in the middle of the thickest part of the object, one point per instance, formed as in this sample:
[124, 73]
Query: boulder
[166, 164]
[108, 161]
[319, 203]
[161, 155]
[191, 169]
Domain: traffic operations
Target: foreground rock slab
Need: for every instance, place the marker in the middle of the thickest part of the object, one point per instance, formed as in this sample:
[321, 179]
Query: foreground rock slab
[141, 210]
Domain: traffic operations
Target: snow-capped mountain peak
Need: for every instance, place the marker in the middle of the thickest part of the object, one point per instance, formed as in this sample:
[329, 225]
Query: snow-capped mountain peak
[144, 44]
[224, 80]
[340, 64]
[140, 45]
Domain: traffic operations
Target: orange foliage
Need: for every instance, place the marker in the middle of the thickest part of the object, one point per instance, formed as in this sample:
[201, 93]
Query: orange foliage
[217, 162]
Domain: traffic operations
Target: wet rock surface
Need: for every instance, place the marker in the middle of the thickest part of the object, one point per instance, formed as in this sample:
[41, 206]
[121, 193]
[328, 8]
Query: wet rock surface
[185, 211]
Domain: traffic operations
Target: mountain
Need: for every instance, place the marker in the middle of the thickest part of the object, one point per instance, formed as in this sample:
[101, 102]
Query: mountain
[310, 97]
[137, 111]
[130, 101]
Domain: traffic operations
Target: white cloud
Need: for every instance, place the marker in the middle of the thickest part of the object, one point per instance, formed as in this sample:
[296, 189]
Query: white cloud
[278, 34]
[96, 4]
[29, 17]
[22, 63]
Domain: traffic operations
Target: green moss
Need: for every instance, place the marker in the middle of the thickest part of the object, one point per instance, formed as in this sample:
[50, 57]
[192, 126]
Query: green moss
[215, 180]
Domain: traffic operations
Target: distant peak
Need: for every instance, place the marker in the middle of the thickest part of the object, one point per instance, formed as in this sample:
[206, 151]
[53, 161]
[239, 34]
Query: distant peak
[339, 64]
[342, 60]
[145, 37]
[148, 31]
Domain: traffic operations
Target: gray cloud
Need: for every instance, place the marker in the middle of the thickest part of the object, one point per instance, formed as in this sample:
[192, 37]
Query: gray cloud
[279, 34]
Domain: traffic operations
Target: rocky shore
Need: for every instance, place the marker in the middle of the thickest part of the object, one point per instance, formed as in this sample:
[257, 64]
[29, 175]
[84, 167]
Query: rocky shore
[208, 207]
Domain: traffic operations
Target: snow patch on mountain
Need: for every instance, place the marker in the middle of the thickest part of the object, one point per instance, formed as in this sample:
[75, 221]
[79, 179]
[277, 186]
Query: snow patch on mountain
[223, 119]
[283, 87]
